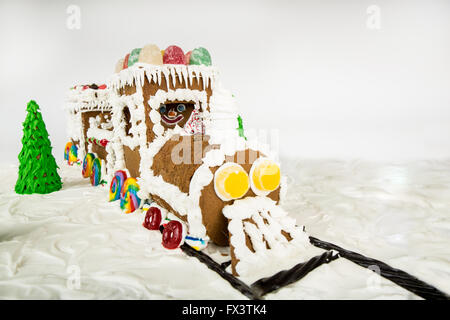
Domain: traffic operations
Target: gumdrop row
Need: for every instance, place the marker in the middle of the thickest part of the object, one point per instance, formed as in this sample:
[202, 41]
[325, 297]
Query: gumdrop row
[151, 54]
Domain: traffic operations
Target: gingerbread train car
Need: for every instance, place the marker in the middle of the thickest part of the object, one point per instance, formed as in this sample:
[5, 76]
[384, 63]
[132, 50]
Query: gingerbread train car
[163, 135]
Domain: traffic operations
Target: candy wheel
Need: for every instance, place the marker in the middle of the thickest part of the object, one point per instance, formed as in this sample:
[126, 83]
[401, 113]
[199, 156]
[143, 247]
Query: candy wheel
[67, 151]
[73, 154]
[86, 171]
[115, 187]
[172, 235]
[96, 173]
[153, 218]
[129, 200]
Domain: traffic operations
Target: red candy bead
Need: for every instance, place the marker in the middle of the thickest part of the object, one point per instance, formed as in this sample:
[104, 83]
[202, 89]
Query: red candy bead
[104, 142]
[152, 219]
[125, 61]
[172, 235]
[174, 55]
[187, 57]
[103, 86]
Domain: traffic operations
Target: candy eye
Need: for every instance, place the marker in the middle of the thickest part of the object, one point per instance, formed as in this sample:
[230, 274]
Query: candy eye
[231, 181]
[181, 107]
[163, 108]
[265, 176]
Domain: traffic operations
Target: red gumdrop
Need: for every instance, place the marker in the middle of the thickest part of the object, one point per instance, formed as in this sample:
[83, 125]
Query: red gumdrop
[152, 219]
[172, 235]
[125, 61]
[187, 57]
[173, 55]
[103, 86]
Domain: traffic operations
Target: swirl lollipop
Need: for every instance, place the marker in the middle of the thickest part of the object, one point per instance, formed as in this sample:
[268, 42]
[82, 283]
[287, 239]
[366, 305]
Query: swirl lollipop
[116, 185]
[67, 150]
[73, 154]
[96, 174]
[87, 165]
[129, 201]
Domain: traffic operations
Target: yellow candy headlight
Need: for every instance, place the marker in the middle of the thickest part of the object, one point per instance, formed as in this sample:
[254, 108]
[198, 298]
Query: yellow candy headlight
[231, 181]
[265, 176]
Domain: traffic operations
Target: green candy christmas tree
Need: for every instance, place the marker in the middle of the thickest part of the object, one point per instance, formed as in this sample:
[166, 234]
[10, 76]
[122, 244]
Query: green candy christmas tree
[37, 169]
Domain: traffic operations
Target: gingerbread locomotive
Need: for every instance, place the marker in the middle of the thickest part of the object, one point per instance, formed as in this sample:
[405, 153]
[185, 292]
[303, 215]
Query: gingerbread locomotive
[164, 135]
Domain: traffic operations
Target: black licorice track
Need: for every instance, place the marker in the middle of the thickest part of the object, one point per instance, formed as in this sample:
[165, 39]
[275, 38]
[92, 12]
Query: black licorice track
[399, 277]
[283, 278]
[211, 264]
[265, 285]
[286, 277]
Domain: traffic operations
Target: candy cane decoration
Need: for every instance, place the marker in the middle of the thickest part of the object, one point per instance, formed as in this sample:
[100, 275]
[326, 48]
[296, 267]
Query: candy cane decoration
[102, 142]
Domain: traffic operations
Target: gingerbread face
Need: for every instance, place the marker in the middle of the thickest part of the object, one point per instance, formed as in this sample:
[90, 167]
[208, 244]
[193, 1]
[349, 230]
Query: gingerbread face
[173, 114]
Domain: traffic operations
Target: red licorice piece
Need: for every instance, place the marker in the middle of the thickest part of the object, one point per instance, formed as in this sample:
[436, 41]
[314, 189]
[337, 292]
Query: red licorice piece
[172, 235]
[152, 219]
[125, 61]
[174, 55]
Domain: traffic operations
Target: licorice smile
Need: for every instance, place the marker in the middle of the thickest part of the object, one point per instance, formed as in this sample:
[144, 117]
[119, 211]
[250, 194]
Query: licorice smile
[172, 121]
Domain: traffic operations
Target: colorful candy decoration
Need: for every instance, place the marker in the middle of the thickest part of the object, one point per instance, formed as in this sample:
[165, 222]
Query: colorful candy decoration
[187, 57]
[134, 56]
[119, 66]
[129, 201]
[71, 153]
[66, 150]
[196, 243]
[116, 185]
[151, 54]
[231, 181]
[200, 56]
[153, 218]
[87, 165]
[172, 236]
[96, 174]
[240, 127]
[265, 176]
[173, 55]
[125, 61]
[102, 142]
[195, 124]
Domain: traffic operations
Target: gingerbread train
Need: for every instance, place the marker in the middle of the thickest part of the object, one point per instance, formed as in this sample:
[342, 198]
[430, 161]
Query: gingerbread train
[166, 137]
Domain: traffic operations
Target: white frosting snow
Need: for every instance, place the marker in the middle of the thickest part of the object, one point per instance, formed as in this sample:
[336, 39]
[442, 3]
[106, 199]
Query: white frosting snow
[47, 240]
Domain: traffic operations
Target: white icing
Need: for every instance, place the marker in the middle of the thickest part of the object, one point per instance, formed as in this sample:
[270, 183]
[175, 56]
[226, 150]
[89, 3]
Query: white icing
[260, 208]
[99, 134]
[137, 73]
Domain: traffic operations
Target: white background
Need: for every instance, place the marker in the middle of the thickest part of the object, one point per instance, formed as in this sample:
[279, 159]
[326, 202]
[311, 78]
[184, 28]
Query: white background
[333, 87]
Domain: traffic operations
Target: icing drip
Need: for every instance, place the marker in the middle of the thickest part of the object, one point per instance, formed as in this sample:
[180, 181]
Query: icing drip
[136, 74]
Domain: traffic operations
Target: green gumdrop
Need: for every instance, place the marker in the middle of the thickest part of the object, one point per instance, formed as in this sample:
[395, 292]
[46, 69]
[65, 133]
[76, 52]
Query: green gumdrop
[200, 56]
[134, 56]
